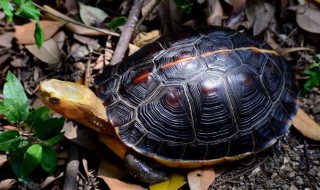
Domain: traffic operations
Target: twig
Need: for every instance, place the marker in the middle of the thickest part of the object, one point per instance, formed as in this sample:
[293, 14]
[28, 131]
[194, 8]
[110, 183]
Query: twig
[147, 13]
[127, 32]
[70, 180]
[77, 23]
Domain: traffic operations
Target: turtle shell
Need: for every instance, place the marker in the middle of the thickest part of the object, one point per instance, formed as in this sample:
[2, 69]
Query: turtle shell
[200, 96]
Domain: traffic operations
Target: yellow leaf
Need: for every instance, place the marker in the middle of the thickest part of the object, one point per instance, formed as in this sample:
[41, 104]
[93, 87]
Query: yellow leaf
[201, 178]
[174, 182]
[307, 126]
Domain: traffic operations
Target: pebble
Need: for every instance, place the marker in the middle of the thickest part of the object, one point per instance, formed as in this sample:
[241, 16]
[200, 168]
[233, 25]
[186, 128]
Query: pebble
[295, 163]
[315, 162]
[274, 175]
[312, 172]
[299, 180]
[291, 175]
[285, 187]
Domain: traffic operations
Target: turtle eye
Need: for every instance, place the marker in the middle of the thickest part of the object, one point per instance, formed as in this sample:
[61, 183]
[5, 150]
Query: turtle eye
[54, 100]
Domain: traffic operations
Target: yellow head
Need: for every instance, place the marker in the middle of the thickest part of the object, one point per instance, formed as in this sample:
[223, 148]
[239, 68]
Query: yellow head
[75, 102]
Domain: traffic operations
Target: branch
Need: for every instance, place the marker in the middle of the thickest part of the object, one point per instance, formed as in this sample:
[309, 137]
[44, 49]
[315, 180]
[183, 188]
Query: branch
[127, 31]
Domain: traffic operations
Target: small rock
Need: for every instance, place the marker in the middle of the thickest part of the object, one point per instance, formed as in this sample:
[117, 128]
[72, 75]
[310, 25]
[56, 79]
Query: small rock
[242, 177]
[285, 187]
[291, 175]
[295, 163]
[274, 175]
[312, 172]
[299, 180]
[256, 170]
[315, 162]
[300, 146]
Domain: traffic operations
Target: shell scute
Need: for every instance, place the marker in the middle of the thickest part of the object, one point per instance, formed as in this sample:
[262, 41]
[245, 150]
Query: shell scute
[167, 115]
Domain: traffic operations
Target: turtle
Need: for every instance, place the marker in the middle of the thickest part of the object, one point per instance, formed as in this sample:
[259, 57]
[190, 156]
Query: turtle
[191, 99]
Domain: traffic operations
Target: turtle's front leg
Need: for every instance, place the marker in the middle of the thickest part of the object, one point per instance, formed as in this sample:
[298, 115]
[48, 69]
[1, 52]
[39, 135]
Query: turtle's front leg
[142, 171]
[136, 166]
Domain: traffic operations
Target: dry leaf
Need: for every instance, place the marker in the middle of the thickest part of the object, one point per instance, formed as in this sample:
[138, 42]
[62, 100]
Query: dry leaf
[91, 15]
[201, 179]
[307, 126]
[144, 38]
[24, 33]
[82, 137]
[49, 180]
[7, 184]
[73, 27]
[132, 49]
[294, 49]
[59, 37]
[174, 182]
[48, 53]
[237, 5]
[107, 169]
[4, 58]
[215, 13]
[71, 6]
[146, 7]
[262, 22]
[5, 39]
[20, 61]
[3, 159]
[115, 184]
[308, 19]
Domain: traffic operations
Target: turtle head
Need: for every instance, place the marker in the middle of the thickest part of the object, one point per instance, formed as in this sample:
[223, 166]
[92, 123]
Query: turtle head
[76, 102]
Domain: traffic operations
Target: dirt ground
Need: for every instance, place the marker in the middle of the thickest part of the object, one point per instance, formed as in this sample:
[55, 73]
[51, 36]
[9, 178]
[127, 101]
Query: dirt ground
[294, 163]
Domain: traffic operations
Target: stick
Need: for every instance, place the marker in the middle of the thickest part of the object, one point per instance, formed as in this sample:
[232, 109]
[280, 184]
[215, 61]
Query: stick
[126, 34]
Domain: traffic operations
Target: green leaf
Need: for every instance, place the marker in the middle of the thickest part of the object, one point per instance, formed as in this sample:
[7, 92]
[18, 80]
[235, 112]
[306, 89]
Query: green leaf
[15, 100]
[46, 129]
[28, 10]
[39, 35]
[31, 159]
[7, 138]
[16, 154]
[49, 159]
[41, 113]
[2, 108]
[314, 79]
[184, 5]
[54, 139]
[115, 23]
[7, 9]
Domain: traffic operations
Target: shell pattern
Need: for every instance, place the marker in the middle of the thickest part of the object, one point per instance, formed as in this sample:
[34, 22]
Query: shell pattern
[198, 95]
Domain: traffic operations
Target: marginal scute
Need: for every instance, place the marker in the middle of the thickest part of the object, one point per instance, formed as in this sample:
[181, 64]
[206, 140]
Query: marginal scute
[200, 96]
[243, 138]
[264, 134]
[120, 114]
[132, 133]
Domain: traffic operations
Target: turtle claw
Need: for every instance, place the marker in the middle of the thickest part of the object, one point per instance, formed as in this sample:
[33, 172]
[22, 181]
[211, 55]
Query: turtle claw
[142, 171]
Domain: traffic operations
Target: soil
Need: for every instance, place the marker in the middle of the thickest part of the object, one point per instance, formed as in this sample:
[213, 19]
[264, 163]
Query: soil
[293, 163]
